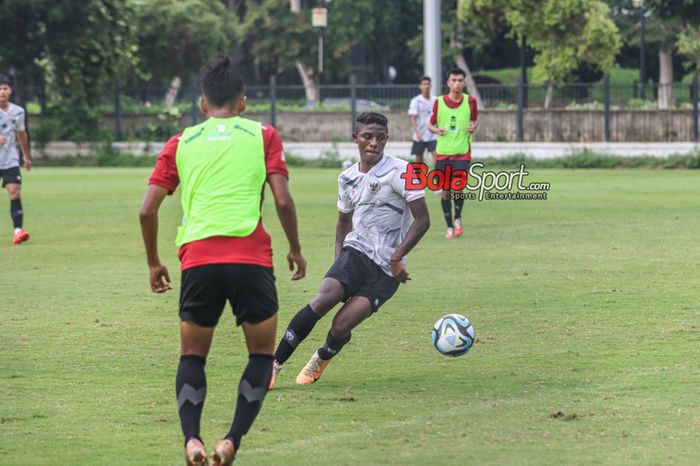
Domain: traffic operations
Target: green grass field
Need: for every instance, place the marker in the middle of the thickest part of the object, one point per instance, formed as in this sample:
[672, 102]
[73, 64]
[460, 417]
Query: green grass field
[586, 308]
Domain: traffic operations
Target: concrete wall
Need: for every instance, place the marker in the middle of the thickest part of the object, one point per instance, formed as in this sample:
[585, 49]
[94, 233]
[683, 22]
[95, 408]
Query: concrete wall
[348, 150]
[554, 125]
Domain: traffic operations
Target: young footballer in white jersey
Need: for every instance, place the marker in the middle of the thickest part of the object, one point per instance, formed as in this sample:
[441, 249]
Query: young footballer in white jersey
[419, 110]
[373, 235]
[12, 130]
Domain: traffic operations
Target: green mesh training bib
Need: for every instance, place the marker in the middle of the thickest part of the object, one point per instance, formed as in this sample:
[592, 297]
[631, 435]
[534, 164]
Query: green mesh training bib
[221, 165]
[456, 140]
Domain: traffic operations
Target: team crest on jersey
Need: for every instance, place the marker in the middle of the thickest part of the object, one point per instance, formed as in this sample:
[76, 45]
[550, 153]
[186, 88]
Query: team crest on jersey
[374, 186]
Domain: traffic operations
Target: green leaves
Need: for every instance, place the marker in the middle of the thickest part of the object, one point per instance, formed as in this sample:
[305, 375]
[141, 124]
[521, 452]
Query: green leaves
[689, 45]
[562, 32]
[176, 38]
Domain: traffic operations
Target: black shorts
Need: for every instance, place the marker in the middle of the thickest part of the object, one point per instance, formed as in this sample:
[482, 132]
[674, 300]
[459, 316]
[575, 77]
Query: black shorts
[419, 147]
[250, 289]
[362, 277]
[455, 164]
[10, 176]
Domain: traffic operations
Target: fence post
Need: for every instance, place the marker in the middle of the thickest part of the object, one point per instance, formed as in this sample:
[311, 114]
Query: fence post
[117, 112]
[273, 100]
[694, 93]
[42, 94]
[353, 101]
[606, 98]
[194, 109]
[521, 110]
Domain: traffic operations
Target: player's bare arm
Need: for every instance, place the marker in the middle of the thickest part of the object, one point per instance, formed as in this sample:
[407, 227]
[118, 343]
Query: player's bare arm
[24, 146]
[435, 130]
[3, 140]
[414, 127]
[159, 277]
[420, 225]
[342, 228]
[472, 126]
[286, 211]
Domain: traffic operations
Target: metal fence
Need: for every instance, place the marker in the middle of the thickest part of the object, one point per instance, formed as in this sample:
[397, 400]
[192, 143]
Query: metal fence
[353, 98]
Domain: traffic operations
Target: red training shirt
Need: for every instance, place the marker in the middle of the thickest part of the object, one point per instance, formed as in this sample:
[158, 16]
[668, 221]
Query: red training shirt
[254, 249]
[452, 104]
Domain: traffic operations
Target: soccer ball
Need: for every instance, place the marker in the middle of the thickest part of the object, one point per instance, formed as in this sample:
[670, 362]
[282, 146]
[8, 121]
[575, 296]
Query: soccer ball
[453, 335]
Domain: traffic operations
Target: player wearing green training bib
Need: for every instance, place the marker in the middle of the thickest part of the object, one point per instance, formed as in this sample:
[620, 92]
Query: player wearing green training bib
[454, 121]
[221, 166]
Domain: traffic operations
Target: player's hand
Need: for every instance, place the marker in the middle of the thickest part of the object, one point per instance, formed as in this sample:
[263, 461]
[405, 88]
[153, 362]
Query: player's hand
[3, 140]
[419, 136]
[295, 258]
[399, 271]
[440, 131]
[27, 164]
[472, 127]
[160, 279]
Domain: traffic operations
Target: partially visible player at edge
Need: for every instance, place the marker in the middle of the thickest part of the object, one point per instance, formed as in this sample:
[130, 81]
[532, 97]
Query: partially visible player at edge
[222, 165]
[373, 235]
[419, 111]
[454, 123]
[12, 129]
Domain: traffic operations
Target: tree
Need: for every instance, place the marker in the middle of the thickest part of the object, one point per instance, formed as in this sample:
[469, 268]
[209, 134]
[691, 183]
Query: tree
[689, 45]
[21, 23]
[77, 46]
[272, 21]
[563, 33]
[463, 32]
[176, 38]
[675, 16]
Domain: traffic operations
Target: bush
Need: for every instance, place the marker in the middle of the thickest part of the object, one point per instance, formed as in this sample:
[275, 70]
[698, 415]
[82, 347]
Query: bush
[168, 124]
[586, 158]
[106, 156]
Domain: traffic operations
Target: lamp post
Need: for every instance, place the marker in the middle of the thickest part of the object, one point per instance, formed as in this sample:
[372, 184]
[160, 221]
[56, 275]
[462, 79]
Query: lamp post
[639, 4]
[432, 66]
[319, 19]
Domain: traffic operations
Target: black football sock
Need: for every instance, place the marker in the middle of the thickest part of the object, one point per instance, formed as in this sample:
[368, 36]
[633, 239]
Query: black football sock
[251, 393]
[16, 212]
[332, 346]
[191, 388]
[298, 329]
[459, 203]
[447, 210]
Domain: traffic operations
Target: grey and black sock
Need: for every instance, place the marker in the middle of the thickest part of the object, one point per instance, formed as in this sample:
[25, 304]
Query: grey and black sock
[191, 389]
[251, 393]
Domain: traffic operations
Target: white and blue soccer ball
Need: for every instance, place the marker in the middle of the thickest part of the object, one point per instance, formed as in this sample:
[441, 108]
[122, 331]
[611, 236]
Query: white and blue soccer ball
[453, 335]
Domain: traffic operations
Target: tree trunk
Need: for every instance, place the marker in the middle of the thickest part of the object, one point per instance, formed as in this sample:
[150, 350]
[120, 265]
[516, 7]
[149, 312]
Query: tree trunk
[666, 97]
[306, 73]
[471, 84]
[310, 85]
[461, 62]
[550, 94]
[174, 89]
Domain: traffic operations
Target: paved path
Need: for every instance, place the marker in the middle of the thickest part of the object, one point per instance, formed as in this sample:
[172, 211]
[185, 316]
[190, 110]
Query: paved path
[348, 150]
[502, 149]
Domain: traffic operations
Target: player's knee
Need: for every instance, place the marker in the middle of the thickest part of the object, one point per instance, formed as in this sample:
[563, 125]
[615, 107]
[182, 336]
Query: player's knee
[321, 304]
[325, 300]
[13, 193]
